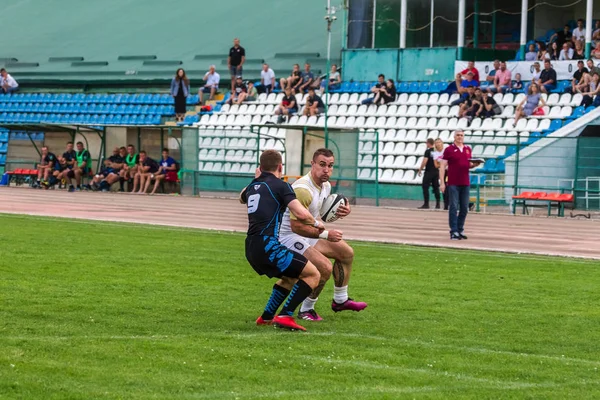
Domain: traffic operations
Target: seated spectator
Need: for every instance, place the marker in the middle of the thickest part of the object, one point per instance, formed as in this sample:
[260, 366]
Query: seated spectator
[562, 36]
[267, 80]
[517, 84]
[467, 102]
[547, 81]
[579, 53]
[239, 92]
[566, 53]
[471, 67]
[70, 158]
[596, 33]
[502, 80]
[252, 94]
[168, 166]
[308, 79]
[288, 106]
[543, 53]
[476, 108]
[579, 83]
[60, 172]
[596, 51]
[579, 32]
[530, 103]
[335, 79]
[588, 97]
[314, 104]
[490, 107]
[388, 94]
[492, 75]
[130, 169]
[462, 86]
[45, 167]
[212, 79]
[592, 68]
[82, 167]
[294, 79]
[147, 168]
[553, 53]
[531, 54]
[375, 89]
[536, 76]
[7, 82]
[109, 173]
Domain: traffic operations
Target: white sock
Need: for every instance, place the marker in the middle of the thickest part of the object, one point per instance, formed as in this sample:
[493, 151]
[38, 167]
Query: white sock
[340, 294]
[308, 304]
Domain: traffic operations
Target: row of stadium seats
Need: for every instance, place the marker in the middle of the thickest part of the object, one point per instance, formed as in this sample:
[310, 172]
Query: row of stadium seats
[83, 108]
[35, 136]
[2, 159]
[4, 136]
[233, 168]
[98, 98]
[240, 143]
[565, 99]
[418, 87]
[84, 119]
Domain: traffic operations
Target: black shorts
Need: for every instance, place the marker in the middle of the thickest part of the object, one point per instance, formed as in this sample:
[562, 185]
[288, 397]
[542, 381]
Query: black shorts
[269, 257]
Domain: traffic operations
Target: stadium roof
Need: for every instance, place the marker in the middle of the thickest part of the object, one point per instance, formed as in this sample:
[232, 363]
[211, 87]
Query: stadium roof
[141, 40]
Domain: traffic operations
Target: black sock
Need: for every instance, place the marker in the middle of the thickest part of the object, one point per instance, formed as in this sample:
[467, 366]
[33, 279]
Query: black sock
[277, 297]
[300, 291]
[122, 183]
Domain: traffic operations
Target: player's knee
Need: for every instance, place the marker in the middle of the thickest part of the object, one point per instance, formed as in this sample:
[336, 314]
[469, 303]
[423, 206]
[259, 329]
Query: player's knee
[310, 274]
[347, 255]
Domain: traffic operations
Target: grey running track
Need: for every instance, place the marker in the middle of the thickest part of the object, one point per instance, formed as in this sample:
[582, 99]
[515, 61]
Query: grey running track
[506, 233]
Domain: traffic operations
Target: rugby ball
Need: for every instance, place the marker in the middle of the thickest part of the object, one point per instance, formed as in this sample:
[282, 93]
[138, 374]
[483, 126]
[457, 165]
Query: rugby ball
[330, 207]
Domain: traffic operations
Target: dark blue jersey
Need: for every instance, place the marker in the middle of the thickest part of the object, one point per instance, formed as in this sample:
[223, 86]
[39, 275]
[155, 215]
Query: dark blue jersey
[267, 198]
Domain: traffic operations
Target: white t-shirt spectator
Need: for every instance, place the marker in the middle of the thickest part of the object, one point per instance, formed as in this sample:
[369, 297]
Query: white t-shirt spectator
[213, 79]
[536, 75]
[563, 56]
[267, 76]
[9, 80]
[579, 34]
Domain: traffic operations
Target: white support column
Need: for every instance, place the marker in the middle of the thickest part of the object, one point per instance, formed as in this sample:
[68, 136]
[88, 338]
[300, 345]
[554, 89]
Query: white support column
[403, 11]
[523, 42]
[589, 27]
[431, 24]
[460, 43]
[374, 24]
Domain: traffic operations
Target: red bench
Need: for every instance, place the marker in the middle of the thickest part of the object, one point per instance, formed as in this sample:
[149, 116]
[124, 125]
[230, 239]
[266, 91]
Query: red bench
[533, 199]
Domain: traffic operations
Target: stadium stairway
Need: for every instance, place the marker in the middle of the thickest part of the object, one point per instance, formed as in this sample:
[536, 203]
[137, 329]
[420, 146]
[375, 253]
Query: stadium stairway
[392, 137]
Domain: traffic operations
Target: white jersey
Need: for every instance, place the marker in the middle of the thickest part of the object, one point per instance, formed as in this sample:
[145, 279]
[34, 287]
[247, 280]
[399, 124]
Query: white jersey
[310, 196]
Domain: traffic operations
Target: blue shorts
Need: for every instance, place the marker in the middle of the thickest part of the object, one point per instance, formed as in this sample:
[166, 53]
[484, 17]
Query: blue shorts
[549, 87]
[233, 70]
[206, 89]
[268, 256]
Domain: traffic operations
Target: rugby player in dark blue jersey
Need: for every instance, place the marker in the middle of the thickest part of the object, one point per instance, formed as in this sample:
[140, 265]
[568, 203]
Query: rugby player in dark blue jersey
[267, 197]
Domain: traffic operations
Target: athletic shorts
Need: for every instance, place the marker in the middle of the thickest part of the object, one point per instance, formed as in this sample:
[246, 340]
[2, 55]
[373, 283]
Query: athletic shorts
[269, 257]
[297, 243]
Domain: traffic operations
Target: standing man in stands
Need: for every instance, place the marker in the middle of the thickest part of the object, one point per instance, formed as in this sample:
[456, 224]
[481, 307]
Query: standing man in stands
[267, 80]
[235, 61]
[431, 177]
[457, 158]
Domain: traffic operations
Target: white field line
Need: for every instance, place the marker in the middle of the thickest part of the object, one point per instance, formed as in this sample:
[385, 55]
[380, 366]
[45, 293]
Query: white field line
[444, 374]
[417, 246]
[270, 332]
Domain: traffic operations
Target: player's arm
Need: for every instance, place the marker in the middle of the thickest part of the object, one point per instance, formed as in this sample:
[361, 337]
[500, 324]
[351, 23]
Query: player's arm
[243, 197]
[303, 215]
[442, 173]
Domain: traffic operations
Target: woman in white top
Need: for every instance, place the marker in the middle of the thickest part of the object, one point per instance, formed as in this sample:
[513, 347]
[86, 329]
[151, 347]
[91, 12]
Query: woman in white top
[438, 152]
[335, 79]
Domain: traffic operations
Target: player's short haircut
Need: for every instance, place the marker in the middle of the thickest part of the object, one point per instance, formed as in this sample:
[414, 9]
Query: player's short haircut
[430, 141]
[165, 149]
[122, 148]
[322, 152]
[143, 152]
[44, 147]
[270, 160]
[79, 143]
[130, 145]
[68, 143]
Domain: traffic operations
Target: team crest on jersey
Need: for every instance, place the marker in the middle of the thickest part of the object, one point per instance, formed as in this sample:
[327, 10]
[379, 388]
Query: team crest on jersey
[256, 187]
[298, 246]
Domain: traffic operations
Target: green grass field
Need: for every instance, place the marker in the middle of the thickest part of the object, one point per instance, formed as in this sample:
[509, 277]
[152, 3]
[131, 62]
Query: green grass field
[94, 310]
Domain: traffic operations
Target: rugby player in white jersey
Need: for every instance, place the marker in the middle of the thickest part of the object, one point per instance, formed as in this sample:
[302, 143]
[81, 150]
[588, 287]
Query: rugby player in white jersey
[318, 247]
